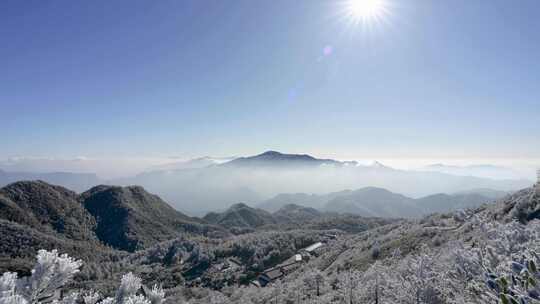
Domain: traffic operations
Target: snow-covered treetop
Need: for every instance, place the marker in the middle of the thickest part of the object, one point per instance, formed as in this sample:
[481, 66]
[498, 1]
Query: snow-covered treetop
[53, 271]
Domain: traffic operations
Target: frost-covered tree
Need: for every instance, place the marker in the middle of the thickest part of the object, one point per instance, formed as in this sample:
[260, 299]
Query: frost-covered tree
[503, 263]
[314, 281]
[415, 279]
[373, 284]
[348, 286]
[52, 272]
[127, 293]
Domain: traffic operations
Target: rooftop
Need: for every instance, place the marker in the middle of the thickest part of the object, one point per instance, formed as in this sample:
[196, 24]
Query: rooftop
[274, 274]
[313, 247]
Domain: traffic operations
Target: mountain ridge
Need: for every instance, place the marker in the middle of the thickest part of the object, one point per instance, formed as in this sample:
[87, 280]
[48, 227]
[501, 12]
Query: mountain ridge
[125, 218]
[46, 207]
[242, 216]
[380, 202]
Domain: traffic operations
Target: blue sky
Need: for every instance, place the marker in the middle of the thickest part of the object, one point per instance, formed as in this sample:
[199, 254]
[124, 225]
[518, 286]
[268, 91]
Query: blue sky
[439, 79]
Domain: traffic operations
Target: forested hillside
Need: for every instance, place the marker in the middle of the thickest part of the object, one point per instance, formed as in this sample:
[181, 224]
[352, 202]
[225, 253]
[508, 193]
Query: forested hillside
[102, 221]
[482, 255]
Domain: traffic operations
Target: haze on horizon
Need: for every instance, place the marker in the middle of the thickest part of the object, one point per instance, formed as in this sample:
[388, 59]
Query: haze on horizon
[114, 168]
[129, 84]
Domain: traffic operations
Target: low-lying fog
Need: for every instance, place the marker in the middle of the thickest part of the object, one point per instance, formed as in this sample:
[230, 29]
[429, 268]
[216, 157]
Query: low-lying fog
[212, 188]
[208, 184]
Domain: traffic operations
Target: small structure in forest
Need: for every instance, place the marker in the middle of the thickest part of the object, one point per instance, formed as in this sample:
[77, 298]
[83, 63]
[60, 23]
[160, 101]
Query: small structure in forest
[287, 266]
[270, 275]
[312, 249]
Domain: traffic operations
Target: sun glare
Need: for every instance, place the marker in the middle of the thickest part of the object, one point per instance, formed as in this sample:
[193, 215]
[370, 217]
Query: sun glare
[366, 12]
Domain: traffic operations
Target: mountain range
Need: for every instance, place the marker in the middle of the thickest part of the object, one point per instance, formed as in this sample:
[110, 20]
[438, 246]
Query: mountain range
[205, 184]
[243, 218]
[255, 179]
[129, 218]
[107, 220]
[378, 202]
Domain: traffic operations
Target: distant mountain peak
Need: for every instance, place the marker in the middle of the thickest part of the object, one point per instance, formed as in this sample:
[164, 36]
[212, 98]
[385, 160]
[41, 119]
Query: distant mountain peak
[240, 215]
[277, 154]
[238, 206]
[274, 158]
[271, 152]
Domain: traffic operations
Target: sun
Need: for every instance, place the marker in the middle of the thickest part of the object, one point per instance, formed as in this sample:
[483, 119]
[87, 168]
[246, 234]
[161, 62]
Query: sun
[365, 8]
[366, 12]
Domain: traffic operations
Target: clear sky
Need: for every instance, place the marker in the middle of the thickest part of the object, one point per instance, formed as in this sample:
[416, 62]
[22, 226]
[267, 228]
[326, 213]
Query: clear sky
[444, 79]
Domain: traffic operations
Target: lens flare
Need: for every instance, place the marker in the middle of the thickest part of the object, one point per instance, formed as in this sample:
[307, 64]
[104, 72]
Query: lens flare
[365, 12]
